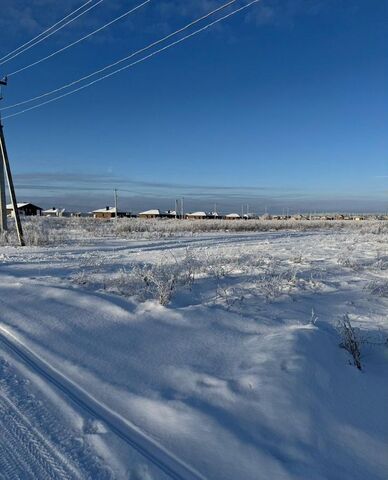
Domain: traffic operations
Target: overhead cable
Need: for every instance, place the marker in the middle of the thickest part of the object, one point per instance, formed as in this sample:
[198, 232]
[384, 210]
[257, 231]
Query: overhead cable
[72, 44]
[170, 45]
[36, 41]
[127, 57]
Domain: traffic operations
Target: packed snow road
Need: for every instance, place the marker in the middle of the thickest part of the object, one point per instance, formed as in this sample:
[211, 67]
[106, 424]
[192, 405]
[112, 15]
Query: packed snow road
[33, 444]
[219, 353]
[149, 449]
[24, 452]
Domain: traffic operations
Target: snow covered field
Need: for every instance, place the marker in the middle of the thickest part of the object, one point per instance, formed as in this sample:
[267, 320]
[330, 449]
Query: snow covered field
[214, 355]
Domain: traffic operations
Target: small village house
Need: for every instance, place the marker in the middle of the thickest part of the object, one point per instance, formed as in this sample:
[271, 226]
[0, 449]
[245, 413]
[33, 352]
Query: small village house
[196, 216]
[232, 216]
[54, 212]
[169, 214]
[150, 214]
[109, 212]
[25, 209]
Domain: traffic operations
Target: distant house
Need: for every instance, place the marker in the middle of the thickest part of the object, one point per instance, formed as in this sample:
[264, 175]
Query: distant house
[150, 214]
[109, 212]
[78, 214]
[168, 214]
[196, 216]
[26, 209]
[54, 212]
[232, 216]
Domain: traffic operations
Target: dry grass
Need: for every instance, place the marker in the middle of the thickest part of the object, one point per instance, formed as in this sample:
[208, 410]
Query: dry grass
[51, 231]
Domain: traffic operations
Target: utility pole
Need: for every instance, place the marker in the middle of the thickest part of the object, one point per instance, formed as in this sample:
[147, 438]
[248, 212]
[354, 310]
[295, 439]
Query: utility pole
[3, 204]
[5, 166]
[182, 208]
[115, 193]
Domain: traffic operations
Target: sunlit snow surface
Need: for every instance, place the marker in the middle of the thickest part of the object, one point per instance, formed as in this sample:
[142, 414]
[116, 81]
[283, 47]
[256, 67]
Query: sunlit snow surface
[240, 376]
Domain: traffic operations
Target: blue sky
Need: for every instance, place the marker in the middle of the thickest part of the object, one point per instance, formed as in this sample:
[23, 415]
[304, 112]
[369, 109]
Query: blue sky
[282, 106]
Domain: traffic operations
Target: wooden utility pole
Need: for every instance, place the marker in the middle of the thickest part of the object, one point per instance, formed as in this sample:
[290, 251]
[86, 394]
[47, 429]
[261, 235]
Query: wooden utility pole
[3, 204]
[4, 160]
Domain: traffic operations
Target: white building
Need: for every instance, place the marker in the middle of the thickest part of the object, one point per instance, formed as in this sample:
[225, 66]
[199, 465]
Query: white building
[196, 215]
[232, 216]
[54, 212]
[155, 213]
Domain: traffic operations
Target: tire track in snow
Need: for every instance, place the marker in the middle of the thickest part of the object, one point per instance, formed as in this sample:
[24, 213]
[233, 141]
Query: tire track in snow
[29, 447]
[155, 453]
[12, 463]
[204, 241]
[33, 444]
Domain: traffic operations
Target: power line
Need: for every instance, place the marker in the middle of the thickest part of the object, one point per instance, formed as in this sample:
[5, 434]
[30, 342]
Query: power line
[132, 10]
[196, 32]
[153, 44]
[47, 30]
[50, 33]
